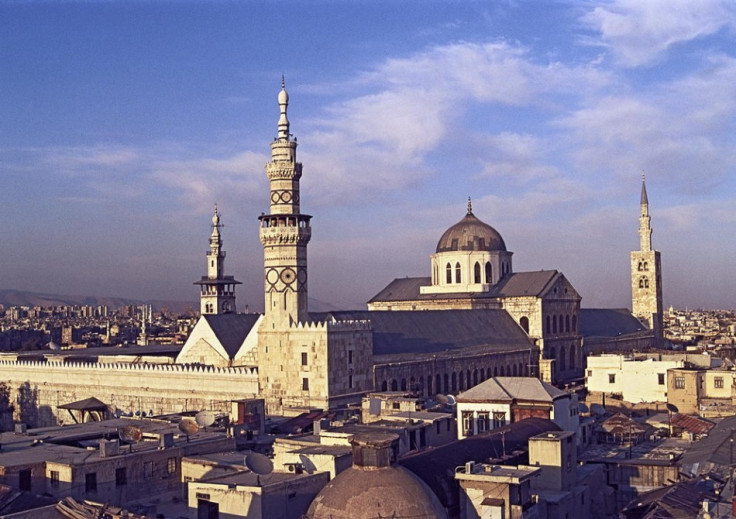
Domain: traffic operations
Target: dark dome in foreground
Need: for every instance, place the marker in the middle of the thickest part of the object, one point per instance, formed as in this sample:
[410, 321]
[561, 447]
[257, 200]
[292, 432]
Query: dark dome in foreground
[358, 493]
[373, 487]
[472, 235]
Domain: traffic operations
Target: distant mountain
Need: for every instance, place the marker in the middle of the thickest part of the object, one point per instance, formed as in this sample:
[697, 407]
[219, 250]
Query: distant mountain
[10, 297]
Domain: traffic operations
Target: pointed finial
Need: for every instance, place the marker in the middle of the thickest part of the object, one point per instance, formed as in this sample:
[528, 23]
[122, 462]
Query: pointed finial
[470, 206]
[283, 99]
[644, 199]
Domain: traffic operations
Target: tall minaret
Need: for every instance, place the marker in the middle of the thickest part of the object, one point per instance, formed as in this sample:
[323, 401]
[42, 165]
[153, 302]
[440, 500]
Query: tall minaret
[284, 232]
[218, 290]
[646, 273]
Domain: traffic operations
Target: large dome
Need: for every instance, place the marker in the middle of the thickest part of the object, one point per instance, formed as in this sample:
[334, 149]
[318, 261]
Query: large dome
[358, 493]
[472, 235]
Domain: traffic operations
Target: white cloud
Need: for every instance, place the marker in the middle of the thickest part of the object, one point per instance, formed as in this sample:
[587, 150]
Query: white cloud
[639, 31]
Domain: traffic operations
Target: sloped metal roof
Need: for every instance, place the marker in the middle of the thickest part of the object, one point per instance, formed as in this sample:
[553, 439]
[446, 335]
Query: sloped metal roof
[520, 284]
[231, 329]
[434, 331]
[507, 389]
[608, 322]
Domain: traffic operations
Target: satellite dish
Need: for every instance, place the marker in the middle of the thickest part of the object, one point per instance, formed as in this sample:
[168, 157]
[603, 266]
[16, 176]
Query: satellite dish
[582, 408]
[597, 409]
[130, 434]
[205, 418]
[442, 399]
[451, 400]
[188, 427]
[259, 463]
[672, 408]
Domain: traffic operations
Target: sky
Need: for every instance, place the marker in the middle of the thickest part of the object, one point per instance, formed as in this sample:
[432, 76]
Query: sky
[122, 123]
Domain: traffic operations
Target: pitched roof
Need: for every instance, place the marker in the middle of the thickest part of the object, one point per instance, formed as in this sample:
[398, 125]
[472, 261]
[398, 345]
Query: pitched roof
[231, 329]
[434, 331]
[88, 404]
[608, 322]
[506, 389]
[520, 284]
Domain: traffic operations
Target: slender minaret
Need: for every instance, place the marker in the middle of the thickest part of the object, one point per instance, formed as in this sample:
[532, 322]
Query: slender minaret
[218, 290]
[284, 232]
[646, 273]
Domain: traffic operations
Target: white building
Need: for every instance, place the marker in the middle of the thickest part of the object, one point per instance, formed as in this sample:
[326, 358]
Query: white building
[636, 380]
[502, 400]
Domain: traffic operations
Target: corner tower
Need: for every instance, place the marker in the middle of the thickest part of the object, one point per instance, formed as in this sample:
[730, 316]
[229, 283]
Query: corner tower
[646, 273]
[284, 232]
[217, 290]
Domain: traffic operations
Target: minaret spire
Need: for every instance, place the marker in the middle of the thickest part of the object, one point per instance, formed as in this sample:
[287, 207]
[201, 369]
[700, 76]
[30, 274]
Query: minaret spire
[645, 229]
[283, 98]
[646, 273]
[285, 232]
[217, 290]
[470, 206]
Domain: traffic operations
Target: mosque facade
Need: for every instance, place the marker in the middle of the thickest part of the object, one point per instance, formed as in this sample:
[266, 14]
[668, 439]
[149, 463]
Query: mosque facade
[471, 319]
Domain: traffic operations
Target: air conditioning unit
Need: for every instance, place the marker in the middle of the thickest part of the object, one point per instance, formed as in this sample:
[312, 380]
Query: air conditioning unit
[469, 467]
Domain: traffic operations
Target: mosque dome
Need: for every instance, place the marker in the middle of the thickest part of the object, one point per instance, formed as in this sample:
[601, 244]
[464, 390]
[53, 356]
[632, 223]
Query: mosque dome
[373, 487]
[470, 234]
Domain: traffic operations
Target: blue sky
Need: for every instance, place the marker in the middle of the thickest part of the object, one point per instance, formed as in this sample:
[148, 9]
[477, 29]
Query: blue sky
[123, 123]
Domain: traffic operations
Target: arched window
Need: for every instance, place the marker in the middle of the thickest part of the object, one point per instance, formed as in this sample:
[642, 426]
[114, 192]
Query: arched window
[501, 371]
[448, 274]
[384, 386]
[495, 371]
[646, 283]
[641, 283]
[572, 356]
[462, 381]
[429, 385]
[514, 370]
[549, 326]
[521, 369]
[476, 273]
[562, 359]
[394, 385]
[403, 384]
[489, 272]
[438, 384]
[646, 266]
[475, 377]
[561, 327]
[524, 323]
[567, 323]
[552, 353]
[454, 382]
[458, 278]
[554, 324]
[447, 383]
[574, 323]
[641, 266]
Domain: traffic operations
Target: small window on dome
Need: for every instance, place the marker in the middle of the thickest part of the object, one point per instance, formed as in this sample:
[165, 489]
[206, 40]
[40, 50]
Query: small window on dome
[454, 244]
[481, 244]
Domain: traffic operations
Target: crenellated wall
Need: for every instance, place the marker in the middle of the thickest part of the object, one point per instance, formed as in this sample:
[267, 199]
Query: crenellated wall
[38, 388]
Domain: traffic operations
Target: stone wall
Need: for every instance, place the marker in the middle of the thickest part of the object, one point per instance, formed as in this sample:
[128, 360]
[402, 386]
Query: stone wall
[38, 388]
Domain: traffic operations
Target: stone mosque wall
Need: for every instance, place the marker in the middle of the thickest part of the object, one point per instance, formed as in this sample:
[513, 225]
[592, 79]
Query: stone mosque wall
[38, 388]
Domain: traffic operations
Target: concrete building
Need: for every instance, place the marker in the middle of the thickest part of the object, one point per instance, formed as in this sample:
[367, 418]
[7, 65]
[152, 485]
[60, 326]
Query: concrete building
[634, 379]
